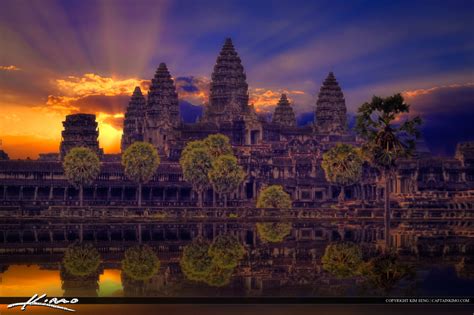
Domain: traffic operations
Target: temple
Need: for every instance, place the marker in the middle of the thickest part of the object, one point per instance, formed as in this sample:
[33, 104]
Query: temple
[271, 151]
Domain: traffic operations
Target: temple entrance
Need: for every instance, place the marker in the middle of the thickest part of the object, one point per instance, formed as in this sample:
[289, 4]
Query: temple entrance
[254, 136]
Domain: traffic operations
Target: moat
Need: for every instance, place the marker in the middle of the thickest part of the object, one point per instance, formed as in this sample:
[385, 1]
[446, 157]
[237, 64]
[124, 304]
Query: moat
[437, 245]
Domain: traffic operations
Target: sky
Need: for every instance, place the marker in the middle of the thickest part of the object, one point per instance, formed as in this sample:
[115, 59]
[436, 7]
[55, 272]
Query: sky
[62, 57]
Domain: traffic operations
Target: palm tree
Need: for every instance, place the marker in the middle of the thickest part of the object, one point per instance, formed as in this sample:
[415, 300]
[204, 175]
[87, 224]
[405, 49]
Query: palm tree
[342, 165]
[81, 167]
[140, 162]
[387, 139]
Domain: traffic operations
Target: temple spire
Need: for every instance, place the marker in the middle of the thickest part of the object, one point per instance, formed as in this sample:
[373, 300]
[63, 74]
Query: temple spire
[134, 119]
[228, 87]
[330, 116]
[162, 97]
[284, 114]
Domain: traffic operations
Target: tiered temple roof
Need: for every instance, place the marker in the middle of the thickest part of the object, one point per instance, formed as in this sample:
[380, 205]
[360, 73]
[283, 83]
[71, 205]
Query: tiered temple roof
[284, 114]
[228, 98]
[162, 98]
[330, 116]
[134, 121]
[80, 130]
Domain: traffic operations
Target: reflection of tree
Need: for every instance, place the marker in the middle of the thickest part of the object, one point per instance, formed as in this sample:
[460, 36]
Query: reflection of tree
[218, 276]
[81, 259]
[273, 197]
[140, 262]
[385, 271]
[73, 285]
[226, 251]
[465, 268]
[342, 259]
[273, 232]
[195, 261]
[212, 263]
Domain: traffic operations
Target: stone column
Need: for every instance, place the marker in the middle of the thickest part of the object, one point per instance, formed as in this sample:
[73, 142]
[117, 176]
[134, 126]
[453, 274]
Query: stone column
[65, 193]
[51, 190]
[151, 194]
[20, 197]
[36, 193]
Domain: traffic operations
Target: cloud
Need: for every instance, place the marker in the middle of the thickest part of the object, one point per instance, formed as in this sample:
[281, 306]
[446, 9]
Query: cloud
[265, 99]
[9, 68]
[447, 113]
[193, 89]
[94, 84]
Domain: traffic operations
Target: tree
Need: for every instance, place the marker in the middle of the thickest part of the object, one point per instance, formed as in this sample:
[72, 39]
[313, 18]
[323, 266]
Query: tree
[226, 175]
[195, 261]
[140, 161]
[196, 164]
[81, 167]
[140, 262]
[386, 140]
[218, 276]
[273, 232]
[211, 263]
[342, 259]
[81, 259]
[218, 145]
[385, 271]
[273, 197]
[226, 251]
[342, 165]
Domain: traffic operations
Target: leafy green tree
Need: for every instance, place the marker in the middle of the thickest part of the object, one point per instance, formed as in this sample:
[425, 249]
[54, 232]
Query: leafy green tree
[226, 251]
[385, 271]
[140, 262]
[226, 175]
[140, 161]
[218, 145]
[387, 139]
[195, 261]
[342, 259]
[81, 167]
[211, 263]
[218, 276]
[273, 197]
[81, 259]
[273, 232]
[190, 146]
[196, 164]
[342, 165]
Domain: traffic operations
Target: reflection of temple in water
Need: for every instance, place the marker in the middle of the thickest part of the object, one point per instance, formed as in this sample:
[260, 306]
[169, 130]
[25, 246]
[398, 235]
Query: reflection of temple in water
[290, 268]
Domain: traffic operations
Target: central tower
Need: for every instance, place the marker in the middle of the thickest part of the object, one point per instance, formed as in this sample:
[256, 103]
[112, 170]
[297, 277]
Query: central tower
[228, 97]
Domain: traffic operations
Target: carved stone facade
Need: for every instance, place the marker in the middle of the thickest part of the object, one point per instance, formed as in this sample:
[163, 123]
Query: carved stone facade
[271, 152]
[330, 116]
[284, 115]
[134, 121]
[80, 130]
[228, 97]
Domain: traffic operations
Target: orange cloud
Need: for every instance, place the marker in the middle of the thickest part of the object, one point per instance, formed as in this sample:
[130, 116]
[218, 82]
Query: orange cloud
[93, 84]
[418, 92]
[265, 99]
[9, 68]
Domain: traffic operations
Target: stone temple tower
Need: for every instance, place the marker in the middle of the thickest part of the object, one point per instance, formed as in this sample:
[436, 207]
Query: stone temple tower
[162, 110]
[284, 114]
[80, 130]
[330, 116]
[228, 97]
[134, 122]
